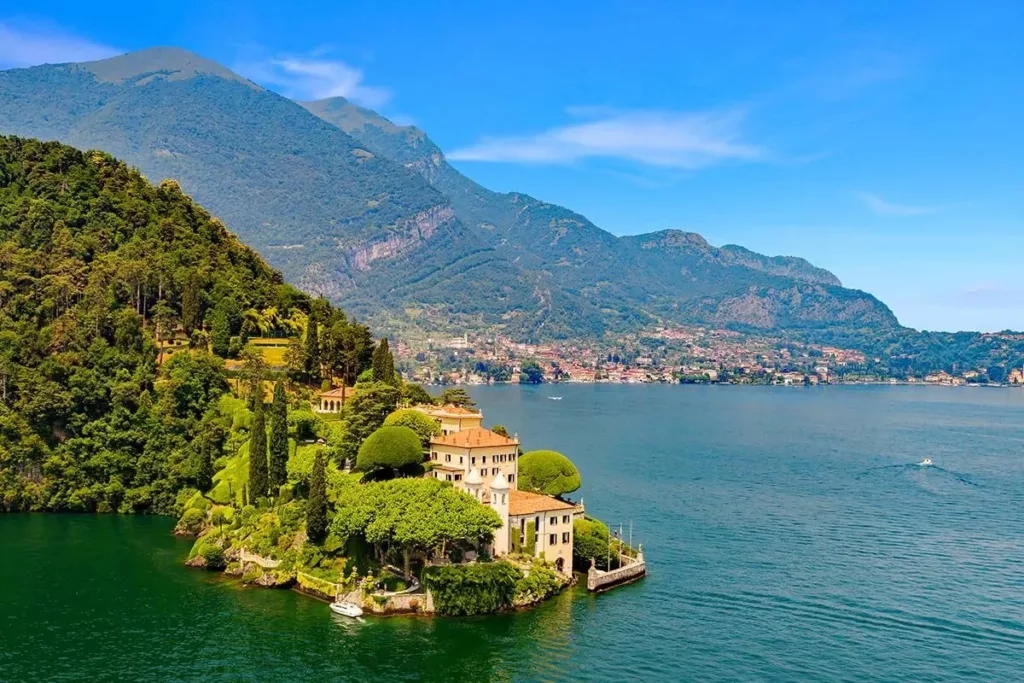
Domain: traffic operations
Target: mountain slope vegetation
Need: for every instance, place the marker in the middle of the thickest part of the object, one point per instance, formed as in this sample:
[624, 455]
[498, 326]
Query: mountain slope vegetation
[350, 206]
[95, 264]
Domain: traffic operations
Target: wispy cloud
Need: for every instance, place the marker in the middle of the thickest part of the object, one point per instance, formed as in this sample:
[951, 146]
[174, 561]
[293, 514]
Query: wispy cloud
[887, 208]
[28, 44]
[314, 77]
[656, 138]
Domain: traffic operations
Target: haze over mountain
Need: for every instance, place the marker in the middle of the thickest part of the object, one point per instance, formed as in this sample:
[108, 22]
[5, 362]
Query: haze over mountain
[370, 214]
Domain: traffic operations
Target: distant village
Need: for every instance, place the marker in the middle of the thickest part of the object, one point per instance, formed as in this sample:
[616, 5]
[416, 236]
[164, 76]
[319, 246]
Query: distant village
[694, 355]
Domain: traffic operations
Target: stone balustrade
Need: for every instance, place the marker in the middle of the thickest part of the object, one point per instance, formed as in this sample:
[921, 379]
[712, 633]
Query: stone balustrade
[634, 568]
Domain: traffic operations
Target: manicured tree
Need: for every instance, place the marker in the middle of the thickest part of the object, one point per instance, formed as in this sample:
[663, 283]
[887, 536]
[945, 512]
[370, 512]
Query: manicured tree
[278, 472]
[258, 480]
[590, 541]
[548, 472]
[312, 348]
[500, 429]
[389, 448]
[316, 506]
[424, 426]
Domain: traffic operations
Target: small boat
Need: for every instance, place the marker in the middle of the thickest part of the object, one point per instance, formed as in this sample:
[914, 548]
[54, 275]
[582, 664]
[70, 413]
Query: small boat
[554, 398]
[347, 609]
[926, 462]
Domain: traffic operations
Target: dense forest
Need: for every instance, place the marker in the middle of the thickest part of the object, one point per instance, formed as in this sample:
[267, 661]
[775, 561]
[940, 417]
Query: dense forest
[98, 269]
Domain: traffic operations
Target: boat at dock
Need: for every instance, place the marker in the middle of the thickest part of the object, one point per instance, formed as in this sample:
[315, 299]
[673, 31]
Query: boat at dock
[347, 609]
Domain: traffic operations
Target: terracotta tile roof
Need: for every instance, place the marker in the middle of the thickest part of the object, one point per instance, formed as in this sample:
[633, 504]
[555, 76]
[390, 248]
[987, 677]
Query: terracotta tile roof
[337, 393]
[526, 503]
[449, 410]
[478, 437]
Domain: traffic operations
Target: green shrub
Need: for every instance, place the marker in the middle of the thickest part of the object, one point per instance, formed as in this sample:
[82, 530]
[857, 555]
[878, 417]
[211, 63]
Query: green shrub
[468, 589]
[251, 575]
[304, 424]
[214, 556]
[389, 448]
[590, 540]
[192, 521]
[548, 472]
[540, 583]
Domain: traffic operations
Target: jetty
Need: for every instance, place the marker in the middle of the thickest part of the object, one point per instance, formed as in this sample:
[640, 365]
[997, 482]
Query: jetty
[630, 569]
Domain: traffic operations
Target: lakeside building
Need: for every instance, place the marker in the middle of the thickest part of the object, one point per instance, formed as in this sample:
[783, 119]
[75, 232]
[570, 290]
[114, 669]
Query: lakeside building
[485, 464]
[451, 418]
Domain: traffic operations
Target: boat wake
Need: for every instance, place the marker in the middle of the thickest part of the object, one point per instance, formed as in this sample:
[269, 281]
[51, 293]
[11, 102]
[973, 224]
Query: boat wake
[925, 468]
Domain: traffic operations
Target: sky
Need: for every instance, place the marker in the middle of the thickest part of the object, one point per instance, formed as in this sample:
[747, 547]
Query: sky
[883, 141]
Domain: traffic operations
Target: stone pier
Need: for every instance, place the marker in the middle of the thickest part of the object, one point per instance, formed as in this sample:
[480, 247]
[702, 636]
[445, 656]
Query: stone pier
[632, 569]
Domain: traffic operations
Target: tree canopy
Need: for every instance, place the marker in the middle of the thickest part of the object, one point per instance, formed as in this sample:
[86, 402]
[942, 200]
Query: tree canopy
[548, 472]
[456, 396]
[422, 424]
[364, 414]
[389, 448]
[414, 514]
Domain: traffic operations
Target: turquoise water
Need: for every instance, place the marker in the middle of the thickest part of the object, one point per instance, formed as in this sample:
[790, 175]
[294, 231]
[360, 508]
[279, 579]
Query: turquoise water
[790, 535]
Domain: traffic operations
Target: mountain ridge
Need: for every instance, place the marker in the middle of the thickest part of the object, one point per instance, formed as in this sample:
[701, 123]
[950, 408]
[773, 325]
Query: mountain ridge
[351, 206]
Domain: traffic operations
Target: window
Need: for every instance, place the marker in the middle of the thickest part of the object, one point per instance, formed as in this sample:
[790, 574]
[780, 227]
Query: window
[553, 521]
[483, 471]
[511, 478]
[565, 519]
[448, 477]
[565, 537]
[483, 459]
[503, 499]
[552, 539]
[472, 461]
[460, 459]
[458, 477]
[495, 470]
[447, 457]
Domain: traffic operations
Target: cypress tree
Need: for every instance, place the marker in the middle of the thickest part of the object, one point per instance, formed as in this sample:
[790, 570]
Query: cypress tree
[316, 508]
[258, 485]
[220, 332]
[312, 348]
[383, 363]
[278, 439]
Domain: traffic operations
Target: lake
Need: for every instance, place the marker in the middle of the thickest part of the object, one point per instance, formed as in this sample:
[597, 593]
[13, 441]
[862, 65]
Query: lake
[790, 535]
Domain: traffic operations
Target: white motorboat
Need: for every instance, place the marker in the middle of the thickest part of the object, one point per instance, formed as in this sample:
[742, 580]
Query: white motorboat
[555, 398]
[347, 609]
[926, 462]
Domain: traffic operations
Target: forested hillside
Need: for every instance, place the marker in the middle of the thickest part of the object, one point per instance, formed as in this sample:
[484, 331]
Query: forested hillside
[95, 264]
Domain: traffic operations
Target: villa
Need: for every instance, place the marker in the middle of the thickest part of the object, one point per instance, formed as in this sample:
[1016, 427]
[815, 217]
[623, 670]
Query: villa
[485, 464]
[451, 418]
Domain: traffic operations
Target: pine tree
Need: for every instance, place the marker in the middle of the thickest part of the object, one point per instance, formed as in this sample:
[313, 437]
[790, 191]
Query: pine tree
[312, 348]
[316, 508]
[278, 439]
[258, 485]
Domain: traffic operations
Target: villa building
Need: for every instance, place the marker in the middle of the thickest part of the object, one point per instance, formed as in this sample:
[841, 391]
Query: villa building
[1016, 377]
[451, 418]
[332, 401]
[488, 453]
[486, 465]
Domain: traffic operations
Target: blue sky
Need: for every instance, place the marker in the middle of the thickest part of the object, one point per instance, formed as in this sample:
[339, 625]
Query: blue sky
[881, 140]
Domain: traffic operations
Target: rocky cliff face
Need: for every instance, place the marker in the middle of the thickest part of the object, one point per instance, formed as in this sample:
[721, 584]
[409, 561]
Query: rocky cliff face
[411, 233]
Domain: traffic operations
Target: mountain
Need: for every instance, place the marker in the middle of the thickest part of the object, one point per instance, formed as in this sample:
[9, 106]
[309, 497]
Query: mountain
[370, 214]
